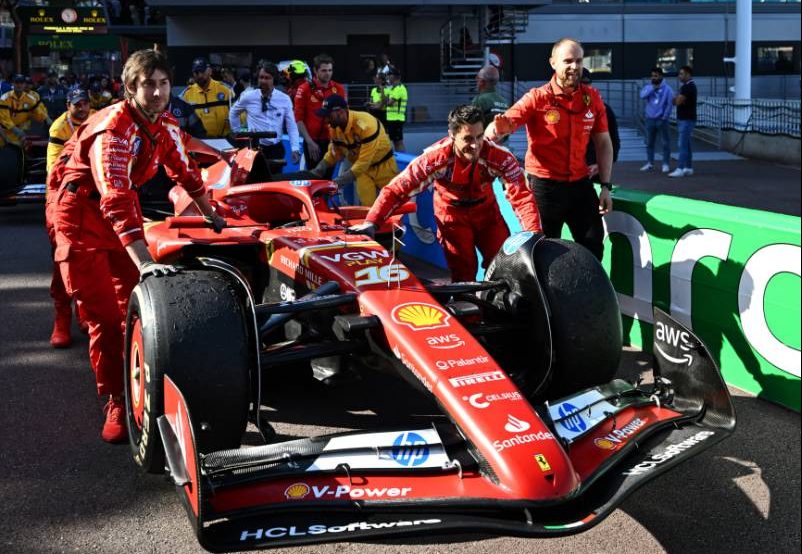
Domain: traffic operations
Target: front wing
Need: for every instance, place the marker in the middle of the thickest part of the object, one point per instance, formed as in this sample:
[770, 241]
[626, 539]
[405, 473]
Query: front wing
[359, 486]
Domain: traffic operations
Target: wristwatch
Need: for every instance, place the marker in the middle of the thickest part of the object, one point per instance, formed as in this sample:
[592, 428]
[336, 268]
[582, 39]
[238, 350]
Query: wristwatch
[607, 186]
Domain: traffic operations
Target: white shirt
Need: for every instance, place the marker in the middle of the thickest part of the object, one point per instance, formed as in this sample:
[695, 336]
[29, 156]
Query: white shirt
[278, 116]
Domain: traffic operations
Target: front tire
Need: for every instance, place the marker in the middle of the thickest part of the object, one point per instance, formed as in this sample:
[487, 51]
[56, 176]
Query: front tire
[192, 327]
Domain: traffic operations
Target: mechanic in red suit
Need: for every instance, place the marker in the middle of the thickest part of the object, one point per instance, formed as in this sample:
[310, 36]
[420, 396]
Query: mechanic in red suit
[462, 168]
[100, 244]
[308, 100]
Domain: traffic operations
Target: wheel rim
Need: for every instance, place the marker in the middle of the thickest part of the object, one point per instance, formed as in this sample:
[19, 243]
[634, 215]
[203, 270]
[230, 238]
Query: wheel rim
[136, 374]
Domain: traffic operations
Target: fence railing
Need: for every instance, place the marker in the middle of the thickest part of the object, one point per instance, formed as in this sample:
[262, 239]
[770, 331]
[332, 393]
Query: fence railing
[767, 117]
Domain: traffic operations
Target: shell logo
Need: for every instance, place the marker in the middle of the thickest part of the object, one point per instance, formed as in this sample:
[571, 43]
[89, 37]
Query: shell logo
[604, 444]
[552, 117]
[297, 491]
[419, 316]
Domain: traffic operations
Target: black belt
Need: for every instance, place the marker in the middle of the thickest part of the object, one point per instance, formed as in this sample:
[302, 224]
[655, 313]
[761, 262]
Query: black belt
[75, 187]
[466, 203]
[534, 179]
[386, 157]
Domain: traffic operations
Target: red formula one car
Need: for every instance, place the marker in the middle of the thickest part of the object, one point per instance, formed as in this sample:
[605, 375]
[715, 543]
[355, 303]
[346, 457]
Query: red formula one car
[537, 437]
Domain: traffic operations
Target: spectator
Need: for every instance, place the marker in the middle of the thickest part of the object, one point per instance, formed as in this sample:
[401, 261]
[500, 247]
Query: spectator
[488, 100]
[210, 98]
[243, 84]
[227, 78]
[294, 75]
[377, 105]
[659, 104]
[561, 117]
[19, 108]
[612, 126]
[134, 11]
[308, 100]
[5, 85]
[359, 138]
[99, 98]
[53, 95]
[397, 97]
[269, 109]
[384, 63]
[369, 69]
[686, 121]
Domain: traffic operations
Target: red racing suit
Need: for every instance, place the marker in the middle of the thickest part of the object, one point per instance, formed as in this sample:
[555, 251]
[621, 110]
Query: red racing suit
[465, 207]
[97, 214]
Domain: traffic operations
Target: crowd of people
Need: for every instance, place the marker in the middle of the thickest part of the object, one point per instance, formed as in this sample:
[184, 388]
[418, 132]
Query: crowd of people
[108, 137]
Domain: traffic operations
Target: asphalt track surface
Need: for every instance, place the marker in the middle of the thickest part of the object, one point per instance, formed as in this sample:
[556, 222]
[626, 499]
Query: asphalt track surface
[63, 490]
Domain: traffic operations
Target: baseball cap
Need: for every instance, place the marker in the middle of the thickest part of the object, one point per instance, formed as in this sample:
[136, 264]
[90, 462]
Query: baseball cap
[76, 95]
[199, 64]
[18, 78]
[332, 104]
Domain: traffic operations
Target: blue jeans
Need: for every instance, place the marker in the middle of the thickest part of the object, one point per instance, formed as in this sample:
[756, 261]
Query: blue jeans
[685, 130]
[653, 126]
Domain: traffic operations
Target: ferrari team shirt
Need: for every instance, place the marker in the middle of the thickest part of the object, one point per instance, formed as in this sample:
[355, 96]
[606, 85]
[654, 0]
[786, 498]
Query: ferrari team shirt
[558, 129]
[308, 99]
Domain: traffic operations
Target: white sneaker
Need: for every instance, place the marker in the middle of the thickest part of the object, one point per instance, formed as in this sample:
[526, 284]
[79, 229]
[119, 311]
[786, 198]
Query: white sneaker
[688, 171]
[666, 169]
[679, 172]
[647, 167]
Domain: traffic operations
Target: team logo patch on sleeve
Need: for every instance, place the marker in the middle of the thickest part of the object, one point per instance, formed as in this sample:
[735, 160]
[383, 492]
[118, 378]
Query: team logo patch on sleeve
[221, 96]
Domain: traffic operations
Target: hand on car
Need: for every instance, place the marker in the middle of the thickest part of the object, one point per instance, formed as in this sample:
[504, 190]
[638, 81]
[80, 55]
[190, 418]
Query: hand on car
[157, 270]
[320, 168]
[216, 222]
[366, 228]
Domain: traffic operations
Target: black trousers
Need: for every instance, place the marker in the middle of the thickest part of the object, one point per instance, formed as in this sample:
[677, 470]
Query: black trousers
[573, 203]
[324, 147]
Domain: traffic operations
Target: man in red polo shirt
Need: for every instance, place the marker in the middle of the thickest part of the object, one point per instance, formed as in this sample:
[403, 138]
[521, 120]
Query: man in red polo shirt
[561, 117]
[308, 100]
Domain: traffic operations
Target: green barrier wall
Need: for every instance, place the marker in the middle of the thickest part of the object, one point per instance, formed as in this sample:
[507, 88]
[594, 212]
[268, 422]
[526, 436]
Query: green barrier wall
[731, 274]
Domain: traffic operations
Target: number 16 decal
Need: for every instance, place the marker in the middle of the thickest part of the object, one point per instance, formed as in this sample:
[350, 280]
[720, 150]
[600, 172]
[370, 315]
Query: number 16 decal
[375, 275]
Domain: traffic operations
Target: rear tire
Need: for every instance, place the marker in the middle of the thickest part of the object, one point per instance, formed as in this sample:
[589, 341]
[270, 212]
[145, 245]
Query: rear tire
[12, 162]
[192, 327]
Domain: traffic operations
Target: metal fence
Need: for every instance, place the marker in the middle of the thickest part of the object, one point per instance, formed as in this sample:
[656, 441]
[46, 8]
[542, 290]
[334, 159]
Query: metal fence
[767, 117]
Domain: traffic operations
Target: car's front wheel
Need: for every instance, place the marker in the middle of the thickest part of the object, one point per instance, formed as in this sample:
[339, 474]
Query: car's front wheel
[192, 327]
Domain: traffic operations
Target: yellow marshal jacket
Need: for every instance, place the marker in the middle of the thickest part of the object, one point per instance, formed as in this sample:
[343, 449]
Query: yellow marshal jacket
[211, 105]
